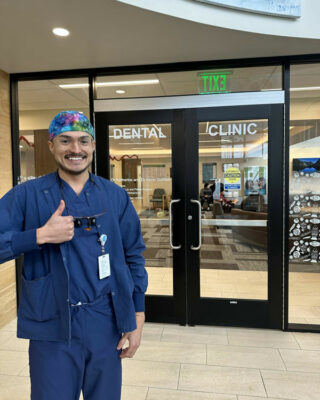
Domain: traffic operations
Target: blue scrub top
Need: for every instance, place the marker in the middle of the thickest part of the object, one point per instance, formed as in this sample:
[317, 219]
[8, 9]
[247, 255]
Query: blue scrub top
[84, 249]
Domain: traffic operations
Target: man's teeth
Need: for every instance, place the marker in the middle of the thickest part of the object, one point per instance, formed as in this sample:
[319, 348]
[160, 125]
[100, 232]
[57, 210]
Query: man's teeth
[75, 158]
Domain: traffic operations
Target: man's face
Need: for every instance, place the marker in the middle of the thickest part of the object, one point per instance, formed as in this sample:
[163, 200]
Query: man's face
[73, 151]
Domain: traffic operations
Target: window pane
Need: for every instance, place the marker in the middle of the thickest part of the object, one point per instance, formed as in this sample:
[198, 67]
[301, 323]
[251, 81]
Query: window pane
[190, 82]
[140, 162]
[304, 211]
[39, 102]
[234, 202]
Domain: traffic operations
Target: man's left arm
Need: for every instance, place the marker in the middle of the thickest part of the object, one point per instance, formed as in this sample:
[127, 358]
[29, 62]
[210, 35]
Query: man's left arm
[134, 246]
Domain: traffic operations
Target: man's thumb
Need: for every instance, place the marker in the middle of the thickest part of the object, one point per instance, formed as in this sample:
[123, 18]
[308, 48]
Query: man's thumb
[60, 209]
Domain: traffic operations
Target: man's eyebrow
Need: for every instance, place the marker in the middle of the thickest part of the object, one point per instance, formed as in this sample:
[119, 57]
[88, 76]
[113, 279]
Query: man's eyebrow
[71, 137]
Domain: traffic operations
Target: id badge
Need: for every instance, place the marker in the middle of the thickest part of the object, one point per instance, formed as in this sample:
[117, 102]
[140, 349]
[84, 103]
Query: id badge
[104, 266]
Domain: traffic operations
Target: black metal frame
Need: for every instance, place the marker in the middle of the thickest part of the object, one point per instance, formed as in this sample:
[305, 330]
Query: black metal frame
[92, 73]
[170, 67]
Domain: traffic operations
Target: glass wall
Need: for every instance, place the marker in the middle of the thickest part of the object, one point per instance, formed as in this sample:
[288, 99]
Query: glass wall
[304, 189]
[39, 102]
[190, 82]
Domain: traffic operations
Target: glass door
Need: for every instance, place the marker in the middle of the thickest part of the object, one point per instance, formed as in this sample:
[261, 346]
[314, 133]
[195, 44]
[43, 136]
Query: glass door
[140, 151]
[235, 213]
[207, 184]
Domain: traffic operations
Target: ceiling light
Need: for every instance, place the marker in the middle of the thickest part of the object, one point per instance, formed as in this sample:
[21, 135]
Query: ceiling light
[60, 32]
[145, 143]
[300, 89]
[74, 85]
[268, 90]
[119, 91]
[128, 83]
[142, 148]
[123, 83]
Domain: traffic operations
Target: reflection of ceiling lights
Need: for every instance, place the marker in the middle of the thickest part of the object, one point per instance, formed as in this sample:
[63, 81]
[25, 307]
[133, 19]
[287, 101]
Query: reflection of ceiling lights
[300, 89]
[142, 148]
[133, 142]
[102, 84]
[215, 140]
[61, 32]
[129, 83]
[74, 85]
[268, 90]
[119, 91]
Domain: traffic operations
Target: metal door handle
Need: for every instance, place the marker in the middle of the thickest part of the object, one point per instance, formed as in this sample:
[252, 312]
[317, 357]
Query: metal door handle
[200, 238]
[170, 224]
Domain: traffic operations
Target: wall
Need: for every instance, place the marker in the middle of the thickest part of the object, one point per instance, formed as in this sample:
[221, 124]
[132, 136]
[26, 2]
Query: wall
[304, 27]
[7, 270]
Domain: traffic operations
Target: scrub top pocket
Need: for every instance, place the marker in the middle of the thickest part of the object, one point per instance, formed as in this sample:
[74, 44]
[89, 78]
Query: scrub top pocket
[37, 299]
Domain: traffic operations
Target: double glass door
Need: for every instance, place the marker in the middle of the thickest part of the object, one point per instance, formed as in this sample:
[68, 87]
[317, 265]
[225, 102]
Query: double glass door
[207, 186]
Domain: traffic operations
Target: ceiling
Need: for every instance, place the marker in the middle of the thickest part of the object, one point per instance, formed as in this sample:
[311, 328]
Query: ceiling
[108, 33]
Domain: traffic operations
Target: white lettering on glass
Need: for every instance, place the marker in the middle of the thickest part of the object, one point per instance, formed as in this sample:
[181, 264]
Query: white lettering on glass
[233, 129]
[138, 133]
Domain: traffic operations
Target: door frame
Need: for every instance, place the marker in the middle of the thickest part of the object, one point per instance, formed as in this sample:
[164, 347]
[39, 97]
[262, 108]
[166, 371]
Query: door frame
[239, 312]
[181, 112]
[159, 308]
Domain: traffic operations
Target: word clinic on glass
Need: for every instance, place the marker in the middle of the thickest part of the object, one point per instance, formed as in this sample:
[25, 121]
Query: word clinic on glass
[233, 129]
[138, 133]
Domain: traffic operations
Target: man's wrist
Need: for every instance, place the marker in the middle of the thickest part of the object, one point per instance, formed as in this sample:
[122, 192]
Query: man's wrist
[140, 314]
[41, 239]
[140, 317]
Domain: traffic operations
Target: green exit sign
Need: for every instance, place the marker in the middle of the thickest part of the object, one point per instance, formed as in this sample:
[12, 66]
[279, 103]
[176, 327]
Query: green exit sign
[214, 82]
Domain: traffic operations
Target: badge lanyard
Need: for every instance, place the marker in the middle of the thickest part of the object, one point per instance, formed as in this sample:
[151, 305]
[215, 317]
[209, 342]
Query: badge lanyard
[103, 259]
[91, 221]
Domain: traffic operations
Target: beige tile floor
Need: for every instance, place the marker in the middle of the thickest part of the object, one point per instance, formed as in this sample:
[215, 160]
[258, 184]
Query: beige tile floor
[304, 299]
[196, 363]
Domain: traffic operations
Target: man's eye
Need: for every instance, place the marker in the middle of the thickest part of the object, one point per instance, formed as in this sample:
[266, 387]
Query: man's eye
[84, 142]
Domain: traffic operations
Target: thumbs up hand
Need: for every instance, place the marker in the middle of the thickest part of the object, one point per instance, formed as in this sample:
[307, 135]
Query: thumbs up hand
[58, 229]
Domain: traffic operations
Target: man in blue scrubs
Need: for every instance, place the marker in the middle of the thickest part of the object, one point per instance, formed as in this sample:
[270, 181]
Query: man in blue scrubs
[83, 282]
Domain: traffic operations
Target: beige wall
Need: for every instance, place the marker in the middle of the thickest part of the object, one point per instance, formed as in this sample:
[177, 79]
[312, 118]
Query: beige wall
[7, 270]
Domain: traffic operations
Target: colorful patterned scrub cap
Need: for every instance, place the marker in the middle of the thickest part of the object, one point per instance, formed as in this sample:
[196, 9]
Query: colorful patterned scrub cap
[70, 121]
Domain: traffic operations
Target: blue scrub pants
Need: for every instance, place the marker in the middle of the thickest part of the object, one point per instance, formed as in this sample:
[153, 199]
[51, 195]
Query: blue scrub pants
[91, 362]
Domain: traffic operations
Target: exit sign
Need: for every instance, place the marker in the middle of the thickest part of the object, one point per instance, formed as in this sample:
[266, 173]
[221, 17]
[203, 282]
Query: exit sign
[214, 82]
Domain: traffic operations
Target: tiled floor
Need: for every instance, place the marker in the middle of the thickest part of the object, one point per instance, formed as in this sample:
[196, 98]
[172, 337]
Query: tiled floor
[196, 363]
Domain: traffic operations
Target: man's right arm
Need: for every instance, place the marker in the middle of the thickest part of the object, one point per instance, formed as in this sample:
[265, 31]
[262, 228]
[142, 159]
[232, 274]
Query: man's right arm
[15, 239]
[12, 235]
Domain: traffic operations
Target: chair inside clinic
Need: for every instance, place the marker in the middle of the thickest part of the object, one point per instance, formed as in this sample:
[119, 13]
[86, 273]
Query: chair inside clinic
[159, 199]
[254, 202]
